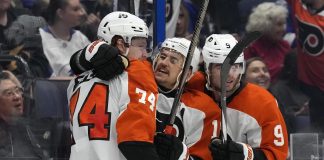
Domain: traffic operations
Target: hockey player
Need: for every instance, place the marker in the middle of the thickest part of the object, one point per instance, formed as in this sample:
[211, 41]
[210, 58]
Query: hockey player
[255, 126]
[197, 120]
[114, 119]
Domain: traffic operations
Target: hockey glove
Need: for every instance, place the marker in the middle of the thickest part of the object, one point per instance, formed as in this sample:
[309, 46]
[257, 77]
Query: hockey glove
[169, 147]
[104, 59]
[230, 150]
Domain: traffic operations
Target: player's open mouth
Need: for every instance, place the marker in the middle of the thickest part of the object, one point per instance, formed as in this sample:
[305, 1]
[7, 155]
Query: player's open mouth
[162, 70]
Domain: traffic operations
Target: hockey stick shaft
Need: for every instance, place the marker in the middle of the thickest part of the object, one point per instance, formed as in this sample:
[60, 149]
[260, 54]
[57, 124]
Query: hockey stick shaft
[193, 45]
[225, 68]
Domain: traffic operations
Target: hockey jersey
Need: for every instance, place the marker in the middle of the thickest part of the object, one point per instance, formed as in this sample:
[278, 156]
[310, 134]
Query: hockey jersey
[197, 120]
[310, 33]
[254, 118]
[106, 113]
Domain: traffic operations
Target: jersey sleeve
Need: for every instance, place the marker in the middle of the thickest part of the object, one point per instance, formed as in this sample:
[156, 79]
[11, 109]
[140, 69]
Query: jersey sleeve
[137, 120]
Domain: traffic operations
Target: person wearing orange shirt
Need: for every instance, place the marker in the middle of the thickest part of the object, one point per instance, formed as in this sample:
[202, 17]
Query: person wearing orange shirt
[309, 23]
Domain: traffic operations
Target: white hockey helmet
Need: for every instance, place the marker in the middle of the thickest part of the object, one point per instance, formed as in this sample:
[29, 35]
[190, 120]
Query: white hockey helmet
[123, 24]
[216, 49]
[181, 45]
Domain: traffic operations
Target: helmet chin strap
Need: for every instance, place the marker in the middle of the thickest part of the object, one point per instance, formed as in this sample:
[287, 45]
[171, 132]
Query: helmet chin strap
[217, 90]
[127, 51]
[174, 87]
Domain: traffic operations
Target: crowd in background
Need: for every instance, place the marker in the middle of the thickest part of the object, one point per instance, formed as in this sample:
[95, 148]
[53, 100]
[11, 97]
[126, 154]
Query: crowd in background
[45, 33]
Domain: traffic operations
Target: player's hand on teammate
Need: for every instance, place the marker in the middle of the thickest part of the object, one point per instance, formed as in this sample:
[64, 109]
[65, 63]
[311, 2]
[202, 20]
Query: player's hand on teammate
[169, 147]
[230, 150]
[104, 59]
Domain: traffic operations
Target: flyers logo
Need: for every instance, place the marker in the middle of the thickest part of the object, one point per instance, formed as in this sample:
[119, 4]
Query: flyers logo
[162, 119]
[121, 15]
[311, 38]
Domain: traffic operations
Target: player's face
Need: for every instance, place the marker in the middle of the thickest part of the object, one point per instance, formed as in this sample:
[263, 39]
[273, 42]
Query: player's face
[138, 49]
[258, 73]
[11, 99]
[168, 67]
[233, 77]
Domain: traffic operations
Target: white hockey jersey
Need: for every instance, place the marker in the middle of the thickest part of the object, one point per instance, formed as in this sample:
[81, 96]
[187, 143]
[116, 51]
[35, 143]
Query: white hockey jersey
[106, 113]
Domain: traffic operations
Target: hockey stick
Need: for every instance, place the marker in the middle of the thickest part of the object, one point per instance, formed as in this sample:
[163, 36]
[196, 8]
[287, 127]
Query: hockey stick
[225, 68]
[175, 106]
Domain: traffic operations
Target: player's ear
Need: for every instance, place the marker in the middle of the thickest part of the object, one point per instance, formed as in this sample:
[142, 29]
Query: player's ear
[120, 44]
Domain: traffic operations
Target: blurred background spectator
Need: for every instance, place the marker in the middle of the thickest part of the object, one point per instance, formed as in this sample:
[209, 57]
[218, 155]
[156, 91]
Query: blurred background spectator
[309, 22]
[24, 40]
[8, 14]
[16, 138]
[90, 23]
[287, 91]
[270, 19]
[59, 39]
[186, 20]
[257, 72]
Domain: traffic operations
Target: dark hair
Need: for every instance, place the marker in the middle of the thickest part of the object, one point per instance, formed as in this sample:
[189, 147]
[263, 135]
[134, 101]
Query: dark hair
[115, 39]
[248, 63]
[250, 60]
[53, 6]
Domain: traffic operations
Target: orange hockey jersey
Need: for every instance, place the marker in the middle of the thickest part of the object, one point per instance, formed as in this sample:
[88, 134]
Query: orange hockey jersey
[254, 118]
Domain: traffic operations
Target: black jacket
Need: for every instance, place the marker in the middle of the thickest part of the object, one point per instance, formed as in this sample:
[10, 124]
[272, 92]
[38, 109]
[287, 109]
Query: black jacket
[18, 140]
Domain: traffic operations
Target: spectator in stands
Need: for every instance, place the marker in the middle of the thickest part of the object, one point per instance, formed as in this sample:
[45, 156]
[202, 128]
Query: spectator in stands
[7, 15]
[288, 91]
[23, 40]
[186, 22]
[59, 39]
[309, 20]
[257, 72]
[270, 19]
[90, 24]
[16, 138]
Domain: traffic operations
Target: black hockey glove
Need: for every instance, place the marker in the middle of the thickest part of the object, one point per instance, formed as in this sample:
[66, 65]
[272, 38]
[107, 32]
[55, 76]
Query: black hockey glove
[104, 59]
[169, 147]
[230, 150]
